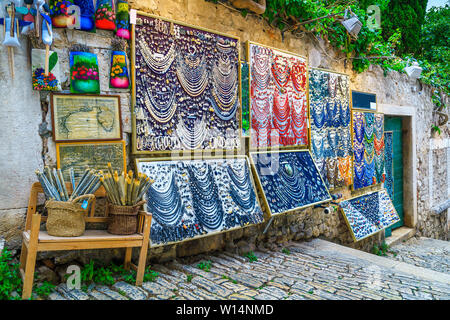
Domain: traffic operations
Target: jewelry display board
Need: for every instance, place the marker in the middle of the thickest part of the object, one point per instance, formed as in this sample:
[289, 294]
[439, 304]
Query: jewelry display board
[369, 214]
[368, 149]
[389, 163]
[96, 155]
[289, 180]
[195, 198]
[86, 117]
[186, 87]
[330, 112]
[278, 97]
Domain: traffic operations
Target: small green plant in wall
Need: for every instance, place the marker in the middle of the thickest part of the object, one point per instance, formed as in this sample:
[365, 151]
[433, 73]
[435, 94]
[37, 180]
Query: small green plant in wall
[205, 265]
[383, 250]
[286, 251]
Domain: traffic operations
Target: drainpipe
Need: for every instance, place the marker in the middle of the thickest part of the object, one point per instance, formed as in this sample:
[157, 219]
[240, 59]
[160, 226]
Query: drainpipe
[258, 7]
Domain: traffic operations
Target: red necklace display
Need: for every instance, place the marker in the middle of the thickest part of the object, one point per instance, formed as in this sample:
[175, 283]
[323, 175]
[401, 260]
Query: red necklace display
[281, 71]
[298, 76]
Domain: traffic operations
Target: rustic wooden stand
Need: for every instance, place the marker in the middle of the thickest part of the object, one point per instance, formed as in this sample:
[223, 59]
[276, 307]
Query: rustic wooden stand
[35, 240]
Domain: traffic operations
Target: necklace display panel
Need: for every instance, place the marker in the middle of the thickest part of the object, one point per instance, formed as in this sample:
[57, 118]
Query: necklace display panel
[186, 88]
[289, 180]
[369, 213]
[389, 163]
[194, 198]
[331, 146]
[368, 149]
[278, 99]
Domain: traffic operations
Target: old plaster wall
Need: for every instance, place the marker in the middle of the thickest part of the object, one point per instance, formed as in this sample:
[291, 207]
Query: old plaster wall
[21, 114]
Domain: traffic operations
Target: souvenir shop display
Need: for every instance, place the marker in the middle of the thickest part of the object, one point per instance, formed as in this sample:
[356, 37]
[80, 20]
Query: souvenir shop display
[86, 117]
[186, 87]
[78, 155]
[41, 81]
[122, 20]
[105, 16]
[330, 113]
[124, 193]
[194, 198]
[245, 99]
[369, 214]
[84, 73]
[289, 180]
[278, 97]
[368, 149]
[389, 163]
[364, 100]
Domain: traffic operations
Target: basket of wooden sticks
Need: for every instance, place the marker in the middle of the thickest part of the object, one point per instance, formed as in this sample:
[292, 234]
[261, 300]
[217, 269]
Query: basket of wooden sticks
[124, 194]
[66, 214]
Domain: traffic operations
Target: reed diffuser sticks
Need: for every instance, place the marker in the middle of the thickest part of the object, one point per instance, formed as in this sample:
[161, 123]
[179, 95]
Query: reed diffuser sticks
[54, 186]
[125, 189]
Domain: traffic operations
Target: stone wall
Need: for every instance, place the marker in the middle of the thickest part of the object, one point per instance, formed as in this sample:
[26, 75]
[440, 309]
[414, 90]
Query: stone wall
[24, 149]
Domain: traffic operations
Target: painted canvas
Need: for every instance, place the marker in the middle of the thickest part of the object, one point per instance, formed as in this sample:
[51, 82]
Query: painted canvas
[289, 180]
[278, 98]
[87, 15]
[118, 77]
[388, 163]
[187, 88]
[41, 81]
[368, 149]
[84, 73]
[105, 15]
[86, 117]
[96, 155]
[194, 198]
[122, 20]
[245, 98]
[369, 213]
[331, 142]
[61, 18]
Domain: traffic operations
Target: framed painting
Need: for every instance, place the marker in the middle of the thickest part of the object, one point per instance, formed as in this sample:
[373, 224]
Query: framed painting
[194, 198]
[368, 149]
[86, 117]
[364, 100]
[389, 163]
[42, 81]
[84, 73]
[186, 87]
[368, 214]
[278, 83]
[96, 155]
[330, 112]
[289, 180]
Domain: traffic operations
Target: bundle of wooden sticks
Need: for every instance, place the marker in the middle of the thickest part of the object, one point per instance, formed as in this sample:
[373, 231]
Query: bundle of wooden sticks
[54, 186]
[123, 190]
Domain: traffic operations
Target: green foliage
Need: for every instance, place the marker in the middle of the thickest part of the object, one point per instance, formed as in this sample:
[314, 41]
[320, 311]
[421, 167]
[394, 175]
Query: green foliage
[251, 256]
[44, 289]
[286, 251]
[204, 265]
[10, 279]
[382, 250]
[229, 278]
[189, 277]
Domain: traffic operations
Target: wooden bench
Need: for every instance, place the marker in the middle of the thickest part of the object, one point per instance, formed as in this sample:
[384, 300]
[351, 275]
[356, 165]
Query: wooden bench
[35, 240]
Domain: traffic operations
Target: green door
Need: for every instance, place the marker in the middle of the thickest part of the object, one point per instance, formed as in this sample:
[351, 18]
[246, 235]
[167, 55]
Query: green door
[394, 124]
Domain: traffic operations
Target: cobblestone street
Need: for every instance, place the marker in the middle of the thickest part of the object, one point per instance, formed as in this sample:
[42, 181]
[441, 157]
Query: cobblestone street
[314, 270]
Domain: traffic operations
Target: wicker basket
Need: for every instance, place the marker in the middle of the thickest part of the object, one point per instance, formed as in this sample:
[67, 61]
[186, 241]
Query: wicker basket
[66, 218]
[123, 219]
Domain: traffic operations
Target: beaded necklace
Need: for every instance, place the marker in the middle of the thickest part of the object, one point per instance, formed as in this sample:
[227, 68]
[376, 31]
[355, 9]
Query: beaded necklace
[260, 67]
[162, 106]
[332, 171]
[379, 168]
[298, 76]
[318, 114]
[332, 81]
[157, 62]
[369, 127]
[206, 200]
[224, 88]
[165, 203]
[344, 165]
[192, 73]
[281, 111]
[299, 121]
[344, 114]
[280, 71]
[318, 146]
[192, 138]
[241, 190]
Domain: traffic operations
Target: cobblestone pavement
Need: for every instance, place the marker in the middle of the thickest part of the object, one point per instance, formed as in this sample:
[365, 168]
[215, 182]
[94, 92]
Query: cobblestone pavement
[423, 252]
[298, 271]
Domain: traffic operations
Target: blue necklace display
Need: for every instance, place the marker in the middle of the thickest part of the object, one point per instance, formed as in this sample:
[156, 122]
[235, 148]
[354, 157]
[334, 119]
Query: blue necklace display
[207, 205]
[344, 114]
[165, 204]
[318, 147]
[241, 190]
[318, 114]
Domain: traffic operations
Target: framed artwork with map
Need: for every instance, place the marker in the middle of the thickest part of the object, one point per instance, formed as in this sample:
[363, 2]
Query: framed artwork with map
[86, 117]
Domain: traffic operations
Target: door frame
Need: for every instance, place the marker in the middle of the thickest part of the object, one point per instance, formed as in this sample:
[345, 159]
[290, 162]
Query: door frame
[408, 115]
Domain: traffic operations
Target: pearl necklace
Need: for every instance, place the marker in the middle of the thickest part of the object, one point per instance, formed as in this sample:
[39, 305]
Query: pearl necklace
[192, 73]
[192, 138]
[157, 62]
[281, 71]
[260, 67]
[162, 111]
